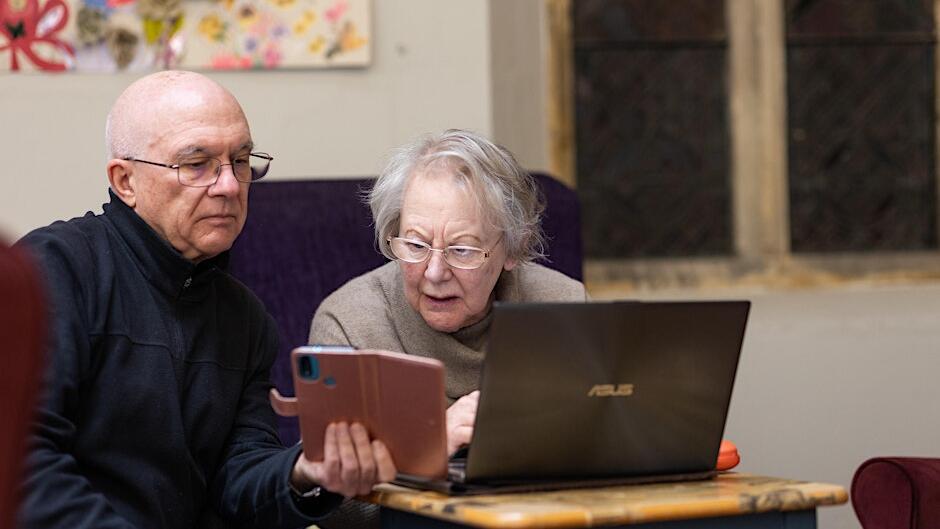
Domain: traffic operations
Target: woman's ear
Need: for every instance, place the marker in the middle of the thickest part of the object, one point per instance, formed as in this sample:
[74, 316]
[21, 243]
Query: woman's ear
[119, 176]
[510, 264]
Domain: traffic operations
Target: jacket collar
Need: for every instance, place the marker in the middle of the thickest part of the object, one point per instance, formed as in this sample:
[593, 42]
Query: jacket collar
[160, 263]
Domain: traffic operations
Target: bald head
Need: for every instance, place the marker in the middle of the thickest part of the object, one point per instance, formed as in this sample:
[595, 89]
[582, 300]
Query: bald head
[132, 128]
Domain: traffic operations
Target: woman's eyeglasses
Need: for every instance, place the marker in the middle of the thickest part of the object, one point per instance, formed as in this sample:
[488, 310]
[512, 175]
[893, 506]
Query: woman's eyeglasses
[458, 256]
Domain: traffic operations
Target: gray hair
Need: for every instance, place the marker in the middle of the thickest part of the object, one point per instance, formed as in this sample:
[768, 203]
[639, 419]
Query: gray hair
[507, 195]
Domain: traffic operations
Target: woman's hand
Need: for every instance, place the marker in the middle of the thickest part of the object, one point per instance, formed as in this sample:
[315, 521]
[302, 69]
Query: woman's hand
[460, 417]
[351, 464]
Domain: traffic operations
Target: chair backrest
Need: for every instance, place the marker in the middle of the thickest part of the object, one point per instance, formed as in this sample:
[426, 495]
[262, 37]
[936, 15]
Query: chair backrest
[304, 239]
[22, 337]
[897, 493]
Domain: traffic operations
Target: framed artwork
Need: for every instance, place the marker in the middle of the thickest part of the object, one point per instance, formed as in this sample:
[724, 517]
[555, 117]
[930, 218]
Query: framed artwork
[145, 35]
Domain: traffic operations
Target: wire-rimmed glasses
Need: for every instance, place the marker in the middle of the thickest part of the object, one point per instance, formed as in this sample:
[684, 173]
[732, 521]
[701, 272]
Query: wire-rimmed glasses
[203, 171]
[458, 256]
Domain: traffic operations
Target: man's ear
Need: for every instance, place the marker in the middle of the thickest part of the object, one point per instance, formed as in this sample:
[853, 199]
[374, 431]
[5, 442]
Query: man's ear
[119, 176]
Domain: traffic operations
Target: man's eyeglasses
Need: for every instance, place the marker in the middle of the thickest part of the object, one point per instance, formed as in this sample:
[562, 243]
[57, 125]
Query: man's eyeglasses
[415, 251]
[203, 171]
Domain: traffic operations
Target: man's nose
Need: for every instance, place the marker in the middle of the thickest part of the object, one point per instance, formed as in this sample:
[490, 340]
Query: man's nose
[226, 184]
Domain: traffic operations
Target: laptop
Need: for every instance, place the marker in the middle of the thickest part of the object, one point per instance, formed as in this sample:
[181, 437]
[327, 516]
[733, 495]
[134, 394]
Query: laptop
[602, 393]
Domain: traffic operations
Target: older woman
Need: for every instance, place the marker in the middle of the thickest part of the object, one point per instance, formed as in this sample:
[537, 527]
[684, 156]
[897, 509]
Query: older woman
[460, 220]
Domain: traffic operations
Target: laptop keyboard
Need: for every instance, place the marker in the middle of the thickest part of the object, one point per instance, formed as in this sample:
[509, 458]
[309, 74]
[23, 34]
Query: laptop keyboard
[457, 466]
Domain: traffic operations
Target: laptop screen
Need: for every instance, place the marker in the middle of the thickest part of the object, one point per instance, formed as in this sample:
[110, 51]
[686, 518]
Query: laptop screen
[604, 389]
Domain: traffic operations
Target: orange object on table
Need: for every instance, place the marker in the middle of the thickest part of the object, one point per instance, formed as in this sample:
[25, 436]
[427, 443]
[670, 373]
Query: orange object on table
[728, 457]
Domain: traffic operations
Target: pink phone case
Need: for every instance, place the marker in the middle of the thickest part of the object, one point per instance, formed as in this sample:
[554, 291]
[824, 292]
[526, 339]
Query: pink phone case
[399, 398]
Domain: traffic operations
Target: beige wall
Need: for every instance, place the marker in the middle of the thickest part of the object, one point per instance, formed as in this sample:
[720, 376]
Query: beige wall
[518, 53]
[432, 69]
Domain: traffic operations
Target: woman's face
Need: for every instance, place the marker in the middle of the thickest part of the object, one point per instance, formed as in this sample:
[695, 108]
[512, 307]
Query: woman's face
[436, 209]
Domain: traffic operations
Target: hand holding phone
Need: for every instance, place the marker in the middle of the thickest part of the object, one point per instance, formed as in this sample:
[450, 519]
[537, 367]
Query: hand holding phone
[397, 398]
[352, 463]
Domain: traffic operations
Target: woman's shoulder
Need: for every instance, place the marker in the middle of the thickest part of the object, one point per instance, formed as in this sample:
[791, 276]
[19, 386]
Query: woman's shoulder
[367, 290]
[357, 311]
[538, 283]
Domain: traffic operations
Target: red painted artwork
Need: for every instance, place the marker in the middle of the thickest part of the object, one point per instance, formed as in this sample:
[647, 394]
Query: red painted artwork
[29, 32]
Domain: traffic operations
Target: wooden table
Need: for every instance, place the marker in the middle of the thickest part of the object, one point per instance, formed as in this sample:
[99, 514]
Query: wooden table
[730, 501]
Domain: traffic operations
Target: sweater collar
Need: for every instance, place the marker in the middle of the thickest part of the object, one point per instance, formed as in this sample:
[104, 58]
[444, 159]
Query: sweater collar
[160, 263]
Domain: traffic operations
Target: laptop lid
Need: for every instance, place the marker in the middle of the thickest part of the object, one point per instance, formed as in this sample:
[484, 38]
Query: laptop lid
[604, 389]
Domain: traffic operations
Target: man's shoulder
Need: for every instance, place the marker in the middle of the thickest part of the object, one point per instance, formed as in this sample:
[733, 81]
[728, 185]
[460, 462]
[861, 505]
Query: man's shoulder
[80, 239]
[73, 232]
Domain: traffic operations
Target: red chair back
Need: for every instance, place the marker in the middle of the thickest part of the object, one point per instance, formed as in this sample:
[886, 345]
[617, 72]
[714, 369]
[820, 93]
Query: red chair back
[22, 338]
[897, 493]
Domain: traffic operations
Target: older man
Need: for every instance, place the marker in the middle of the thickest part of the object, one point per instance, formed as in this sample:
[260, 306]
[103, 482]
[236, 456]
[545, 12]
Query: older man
[155, 412]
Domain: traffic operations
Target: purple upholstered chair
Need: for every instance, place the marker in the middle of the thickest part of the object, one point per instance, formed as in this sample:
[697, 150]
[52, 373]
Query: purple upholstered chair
[304, 239]
[897, 493]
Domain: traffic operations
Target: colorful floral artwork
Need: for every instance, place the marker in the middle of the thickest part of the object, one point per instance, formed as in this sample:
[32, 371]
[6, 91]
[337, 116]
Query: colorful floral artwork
[229, 34]
[117, 35]
[142, 35]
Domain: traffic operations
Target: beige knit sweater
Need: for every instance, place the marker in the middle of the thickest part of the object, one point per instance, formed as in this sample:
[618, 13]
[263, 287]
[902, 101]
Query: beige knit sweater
[371, 312]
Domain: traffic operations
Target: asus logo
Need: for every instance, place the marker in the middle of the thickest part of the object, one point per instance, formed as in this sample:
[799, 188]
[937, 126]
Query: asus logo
[609, 390]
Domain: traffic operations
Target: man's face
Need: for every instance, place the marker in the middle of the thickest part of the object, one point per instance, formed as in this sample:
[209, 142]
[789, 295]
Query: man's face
[199, 222]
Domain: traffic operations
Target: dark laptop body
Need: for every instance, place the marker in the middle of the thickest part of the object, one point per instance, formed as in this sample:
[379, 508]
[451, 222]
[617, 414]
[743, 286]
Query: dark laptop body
[588, 394]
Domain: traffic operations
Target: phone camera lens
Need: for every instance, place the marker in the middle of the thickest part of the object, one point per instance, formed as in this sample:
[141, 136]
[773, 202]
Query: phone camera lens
[309, 369]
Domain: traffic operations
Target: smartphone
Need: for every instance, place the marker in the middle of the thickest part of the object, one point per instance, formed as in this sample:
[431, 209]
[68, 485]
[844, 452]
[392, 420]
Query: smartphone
[399, 398]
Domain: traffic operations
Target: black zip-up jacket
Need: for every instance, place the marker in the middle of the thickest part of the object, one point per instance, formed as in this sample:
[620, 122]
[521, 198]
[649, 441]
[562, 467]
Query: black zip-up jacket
[155, 408]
